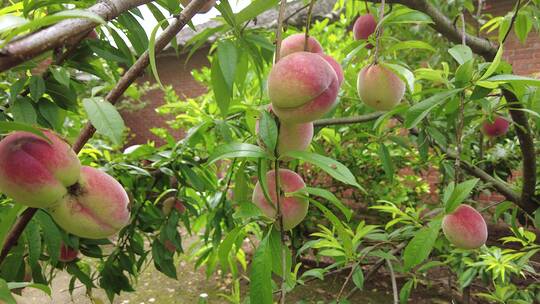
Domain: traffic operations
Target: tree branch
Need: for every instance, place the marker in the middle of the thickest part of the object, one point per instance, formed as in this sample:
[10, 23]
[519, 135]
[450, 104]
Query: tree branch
[347, 120]
[129, 77]
[56, 36]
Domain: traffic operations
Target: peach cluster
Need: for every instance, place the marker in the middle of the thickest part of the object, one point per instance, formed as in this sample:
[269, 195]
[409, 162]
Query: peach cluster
[303, 86]
[46, 173]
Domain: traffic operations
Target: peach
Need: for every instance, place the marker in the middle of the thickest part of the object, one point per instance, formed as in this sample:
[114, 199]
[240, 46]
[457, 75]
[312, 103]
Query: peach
[465, 228]
[296, 42]
[379, 87]
[67, 254]
[302, 87]
[294, 209]
[205, 8]
[96, 207]
[169, 246]
[35, 172]
[498, 127]
[336, 66]
[292, 137]
[170, 203]
[364, 27]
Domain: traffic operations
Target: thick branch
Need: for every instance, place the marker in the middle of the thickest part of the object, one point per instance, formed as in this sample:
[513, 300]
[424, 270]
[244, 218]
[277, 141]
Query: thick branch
[131, 75]
[56, 36]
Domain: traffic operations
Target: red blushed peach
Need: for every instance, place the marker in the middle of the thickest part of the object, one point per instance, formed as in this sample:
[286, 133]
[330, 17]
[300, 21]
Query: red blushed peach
[298, 79]
[67, 254]
[379, 87]
[363, 27]
[336, 66]
[465, 228]
[292, 137]
[498, 127]
[35, 172]
[97, 207]
[294, 209]
[205, 8]
[296, 42]
[170, 203]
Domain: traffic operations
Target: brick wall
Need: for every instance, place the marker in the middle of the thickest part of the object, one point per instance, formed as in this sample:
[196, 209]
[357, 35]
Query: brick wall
[173, 70]
[525, 58]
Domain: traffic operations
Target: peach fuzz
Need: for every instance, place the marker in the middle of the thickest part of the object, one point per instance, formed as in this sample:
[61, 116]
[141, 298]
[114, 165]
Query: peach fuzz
[35, 172]
[336, 66]
[294, 209]
[498, 127]
[97, 206]
[465, 228]
[296, 42]
[302, 87]
[364, 27]
[379, 87]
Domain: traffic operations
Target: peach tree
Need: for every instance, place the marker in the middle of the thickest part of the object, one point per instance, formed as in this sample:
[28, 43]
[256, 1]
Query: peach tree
[296, 152]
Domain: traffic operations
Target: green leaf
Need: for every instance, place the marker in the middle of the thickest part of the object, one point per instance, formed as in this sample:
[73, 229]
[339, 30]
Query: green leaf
[17, 285]
[8, 126]
[403, 73]
[459, 194]
[8, 219]
[464, 73]
[5, 293]
[406, 15]
[51, 235]
[336, 169]
[152, 51]
[105, 118]
[522, 26]
[411, 44]
[461, 53]
[537, 218]
[33, 236]
[405, 292]
[23, 111]
[358, 277]
[260, 287]
[268, 131]
[226, 246]
[236, 150]
[52, 113]
[420, 110]
[61, 75]
[254, 9]
[37, 87]
[276, 249]
[387, 163]
[495, 64]
[228, 57]
[79, 13]
[222, 92]
[421, 245]
[329, 196]
[508, 78]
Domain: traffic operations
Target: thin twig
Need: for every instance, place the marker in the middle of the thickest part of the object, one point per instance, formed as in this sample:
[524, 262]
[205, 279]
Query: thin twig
[279, 30]
[512, 21]
[308, 23]
[379, 33]
[394, 283]
[346, 281]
